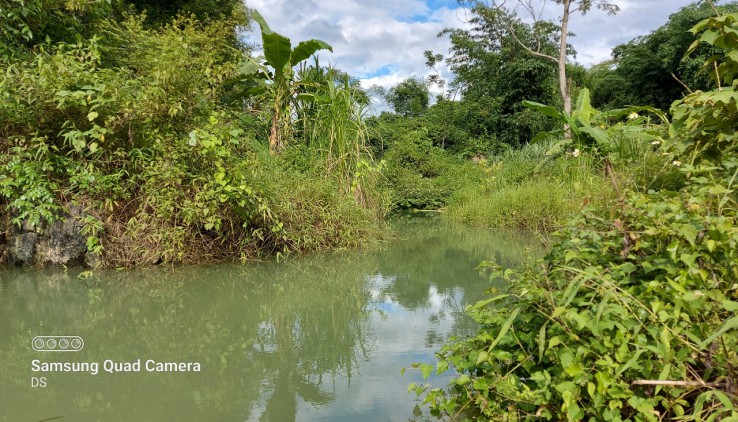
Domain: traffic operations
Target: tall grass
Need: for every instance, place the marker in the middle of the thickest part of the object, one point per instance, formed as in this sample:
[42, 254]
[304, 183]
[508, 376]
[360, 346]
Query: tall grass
[518, 195]
[332, 119]
[521, 193]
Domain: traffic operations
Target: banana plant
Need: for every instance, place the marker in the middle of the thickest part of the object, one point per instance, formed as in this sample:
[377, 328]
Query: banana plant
[282, 58]
[592, 130]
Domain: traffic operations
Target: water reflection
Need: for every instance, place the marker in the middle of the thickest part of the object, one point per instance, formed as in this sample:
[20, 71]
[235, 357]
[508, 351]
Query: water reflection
[320, 337]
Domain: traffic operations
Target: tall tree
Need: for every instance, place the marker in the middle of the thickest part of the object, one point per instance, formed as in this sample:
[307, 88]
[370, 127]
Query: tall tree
[654, 69]
[508, 18]
[494, 74]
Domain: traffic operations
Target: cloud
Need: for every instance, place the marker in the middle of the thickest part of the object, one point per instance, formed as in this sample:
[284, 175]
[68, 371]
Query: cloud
[382, 41]
[367, 37]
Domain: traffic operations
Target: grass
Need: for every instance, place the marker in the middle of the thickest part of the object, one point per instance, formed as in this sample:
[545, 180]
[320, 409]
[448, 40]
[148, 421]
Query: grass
[517, 195]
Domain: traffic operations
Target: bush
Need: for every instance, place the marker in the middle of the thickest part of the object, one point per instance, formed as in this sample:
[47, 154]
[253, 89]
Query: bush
[422, 176]
[520, 195]
[631, 316]
[616, 307]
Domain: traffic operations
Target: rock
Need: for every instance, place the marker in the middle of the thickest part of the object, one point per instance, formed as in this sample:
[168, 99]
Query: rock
[22, 248]
[64, 243]
[60, 243]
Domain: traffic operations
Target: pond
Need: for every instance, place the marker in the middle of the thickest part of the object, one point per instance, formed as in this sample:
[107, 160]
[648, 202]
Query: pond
[319, 337]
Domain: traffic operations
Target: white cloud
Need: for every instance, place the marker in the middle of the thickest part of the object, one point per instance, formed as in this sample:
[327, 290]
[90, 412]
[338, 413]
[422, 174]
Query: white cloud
[382, 42]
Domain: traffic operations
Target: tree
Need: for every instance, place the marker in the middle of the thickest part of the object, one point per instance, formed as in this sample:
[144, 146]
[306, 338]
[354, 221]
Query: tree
[507, 18]
[282, 58]
[654, 68]
[163, 11]
[494, 74]
[409, 98]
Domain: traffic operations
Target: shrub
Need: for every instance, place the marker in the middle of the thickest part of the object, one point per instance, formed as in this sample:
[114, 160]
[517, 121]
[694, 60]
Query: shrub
[630, 316]
[422, 176]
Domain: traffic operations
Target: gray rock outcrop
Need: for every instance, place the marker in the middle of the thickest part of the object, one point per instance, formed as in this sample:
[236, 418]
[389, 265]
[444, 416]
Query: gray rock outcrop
[60, 243]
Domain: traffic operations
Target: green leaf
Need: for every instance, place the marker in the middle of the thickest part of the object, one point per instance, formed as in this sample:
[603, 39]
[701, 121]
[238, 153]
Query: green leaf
[426, 369]
[305, 49]
[505, 327]
[483, 303]
[584, 107]
[730, 324]
[545, 109]
[277, 47]
[664, 375]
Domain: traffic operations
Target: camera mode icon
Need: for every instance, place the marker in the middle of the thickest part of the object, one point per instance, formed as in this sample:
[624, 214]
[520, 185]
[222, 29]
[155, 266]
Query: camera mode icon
[58, 343]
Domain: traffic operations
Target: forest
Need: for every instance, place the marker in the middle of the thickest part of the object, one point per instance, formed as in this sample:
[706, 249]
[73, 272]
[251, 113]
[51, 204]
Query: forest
[168, 147]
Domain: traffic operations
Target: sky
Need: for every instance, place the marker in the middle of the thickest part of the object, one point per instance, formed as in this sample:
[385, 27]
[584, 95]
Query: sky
[381, 42]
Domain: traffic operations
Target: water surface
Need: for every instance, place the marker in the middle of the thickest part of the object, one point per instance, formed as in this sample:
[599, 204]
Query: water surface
[320, 337]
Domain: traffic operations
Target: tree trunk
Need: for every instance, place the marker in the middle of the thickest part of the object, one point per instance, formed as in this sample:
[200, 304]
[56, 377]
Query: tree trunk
[274, 143]
[563, 83]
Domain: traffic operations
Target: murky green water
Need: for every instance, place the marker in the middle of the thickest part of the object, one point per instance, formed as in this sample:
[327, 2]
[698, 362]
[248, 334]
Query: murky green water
[315, 338]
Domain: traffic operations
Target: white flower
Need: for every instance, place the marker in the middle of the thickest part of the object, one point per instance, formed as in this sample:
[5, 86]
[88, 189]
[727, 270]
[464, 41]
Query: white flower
[575, 153]
[656, 143]
[632, 115]
[676, 163]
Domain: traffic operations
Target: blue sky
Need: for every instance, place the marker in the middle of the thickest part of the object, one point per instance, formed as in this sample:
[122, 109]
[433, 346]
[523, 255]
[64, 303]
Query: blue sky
[382, 41]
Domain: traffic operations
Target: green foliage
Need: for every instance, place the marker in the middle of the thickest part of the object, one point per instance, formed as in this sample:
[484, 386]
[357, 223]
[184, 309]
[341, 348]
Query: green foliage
[494, 74]
[409, 98]
[282, 58]
[588, 129]
[630, 316]
[647, 67]
[160, 12]
[24, 184]
[422, 176]
[331, 115]
[574, 336]
[520, 193]
[141, 128]
[539, 205]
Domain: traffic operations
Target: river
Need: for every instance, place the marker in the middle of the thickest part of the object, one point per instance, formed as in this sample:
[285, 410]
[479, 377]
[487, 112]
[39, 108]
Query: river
[318, 337]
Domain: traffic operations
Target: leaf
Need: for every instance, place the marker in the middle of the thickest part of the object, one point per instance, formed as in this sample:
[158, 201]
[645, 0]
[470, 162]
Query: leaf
[277, 47]
[632, 361]
[193, 139]
[485, 302]
[92, 115]
[666, 340]
[599, 135]
[545, 109]
[558, 147]
[261, 21]
[505, 327]
[426, 369]
[277, 51]
[248, 68]
[730, 306]
[306, 97]
[584, 108]
[305, 49]
[730, 324]
[664, 375]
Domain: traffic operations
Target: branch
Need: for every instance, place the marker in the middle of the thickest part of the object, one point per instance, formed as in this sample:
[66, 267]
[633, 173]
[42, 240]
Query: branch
[530, 50]
[674, 383]
[681, 83]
